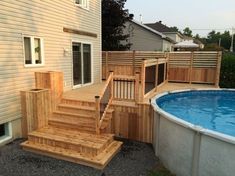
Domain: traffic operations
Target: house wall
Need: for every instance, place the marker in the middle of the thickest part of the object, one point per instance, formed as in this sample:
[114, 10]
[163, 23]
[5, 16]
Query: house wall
[167, 46]
[142, 39]
[44, 19]
[174, 36]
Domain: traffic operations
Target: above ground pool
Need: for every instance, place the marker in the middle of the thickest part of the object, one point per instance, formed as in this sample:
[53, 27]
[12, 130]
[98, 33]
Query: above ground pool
[210, 109]
[194, 131]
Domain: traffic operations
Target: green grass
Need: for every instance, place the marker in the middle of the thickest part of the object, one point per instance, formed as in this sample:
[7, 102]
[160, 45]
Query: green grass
[160, 170]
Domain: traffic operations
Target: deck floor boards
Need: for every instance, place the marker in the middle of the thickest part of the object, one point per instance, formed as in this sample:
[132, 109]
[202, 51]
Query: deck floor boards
[88, 93]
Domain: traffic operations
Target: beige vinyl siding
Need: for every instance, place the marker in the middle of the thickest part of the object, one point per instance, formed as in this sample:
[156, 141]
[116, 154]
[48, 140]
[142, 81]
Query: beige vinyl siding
[143, 40]
[45, 19]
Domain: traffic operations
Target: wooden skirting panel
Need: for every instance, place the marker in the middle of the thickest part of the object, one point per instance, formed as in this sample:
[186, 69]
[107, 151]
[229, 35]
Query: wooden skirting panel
[205, 75]
[179, 74]
[133, 122]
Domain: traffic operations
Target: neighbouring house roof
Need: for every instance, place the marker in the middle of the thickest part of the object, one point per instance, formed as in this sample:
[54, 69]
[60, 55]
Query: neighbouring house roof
[153, 31]
[186, 44]
[158, 26]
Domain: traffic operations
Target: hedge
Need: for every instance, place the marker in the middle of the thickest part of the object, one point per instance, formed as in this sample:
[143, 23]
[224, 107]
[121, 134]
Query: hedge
[227, 75]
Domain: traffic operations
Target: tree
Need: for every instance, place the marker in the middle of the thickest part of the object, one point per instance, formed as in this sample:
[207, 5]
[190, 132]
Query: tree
[188, 32]
[114, 17]
[216, 37]
[175, 29]
[197, 36]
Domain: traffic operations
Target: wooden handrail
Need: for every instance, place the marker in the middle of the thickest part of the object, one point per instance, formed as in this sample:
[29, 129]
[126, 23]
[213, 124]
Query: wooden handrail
[110, 78]
[100, 117]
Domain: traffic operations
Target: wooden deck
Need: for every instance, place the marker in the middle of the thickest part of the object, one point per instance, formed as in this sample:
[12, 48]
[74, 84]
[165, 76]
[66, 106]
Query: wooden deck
[88, 93]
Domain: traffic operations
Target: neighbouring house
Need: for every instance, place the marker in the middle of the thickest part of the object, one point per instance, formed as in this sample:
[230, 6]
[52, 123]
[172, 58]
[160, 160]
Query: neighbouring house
[144, 38]
[169, 32]
[45, 36]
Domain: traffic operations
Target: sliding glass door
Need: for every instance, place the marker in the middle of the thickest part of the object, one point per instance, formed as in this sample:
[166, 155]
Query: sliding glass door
[81, 64]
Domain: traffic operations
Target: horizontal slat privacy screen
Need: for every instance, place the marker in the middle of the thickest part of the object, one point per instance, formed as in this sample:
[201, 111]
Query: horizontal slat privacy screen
[197, 66]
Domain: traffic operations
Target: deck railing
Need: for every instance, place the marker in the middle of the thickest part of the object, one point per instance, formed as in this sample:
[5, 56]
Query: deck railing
[126, 88]
[153, 75]
[103, 102]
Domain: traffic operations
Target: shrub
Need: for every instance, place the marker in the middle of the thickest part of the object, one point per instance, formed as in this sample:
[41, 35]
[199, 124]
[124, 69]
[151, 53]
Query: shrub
[227, 75]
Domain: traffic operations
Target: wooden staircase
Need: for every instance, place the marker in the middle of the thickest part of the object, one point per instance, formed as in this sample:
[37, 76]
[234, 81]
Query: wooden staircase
[71, 135]
[71, 145]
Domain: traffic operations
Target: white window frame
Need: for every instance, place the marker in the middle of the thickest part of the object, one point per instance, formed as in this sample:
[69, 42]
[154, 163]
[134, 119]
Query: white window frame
[85, 4]
[32, 51]
[8, 136]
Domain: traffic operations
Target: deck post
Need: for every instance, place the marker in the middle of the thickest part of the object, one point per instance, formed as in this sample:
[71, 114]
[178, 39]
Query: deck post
[168, 66]
[106, 65]
[156, 76]
[111, 85]
[143, 70]
[191, 67]
[133, 62]
[218, 67]
[137, 83]
[97, 114]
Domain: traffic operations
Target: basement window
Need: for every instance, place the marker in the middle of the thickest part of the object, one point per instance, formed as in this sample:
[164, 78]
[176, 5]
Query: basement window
[82, 3]
[5, 132]
[33, 51]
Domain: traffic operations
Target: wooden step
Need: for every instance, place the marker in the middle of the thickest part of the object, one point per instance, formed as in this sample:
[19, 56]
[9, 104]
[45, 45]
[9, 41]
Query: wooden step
[89, 145]
[68, 124]
[72, 118]
[78, 102]
[98, 162]
[77, 109]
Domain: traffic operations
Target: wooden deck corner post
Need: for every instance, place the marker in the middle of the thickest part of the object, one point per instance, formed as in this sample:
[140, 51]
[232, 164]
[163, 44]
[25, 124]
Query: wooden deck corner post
[156, 75]
[168, 66]
[218, 67]
[111, 85]
[97, 114]
[106, 64]
[143, 70]
[133, 62]
[191, 67]
[137, 90]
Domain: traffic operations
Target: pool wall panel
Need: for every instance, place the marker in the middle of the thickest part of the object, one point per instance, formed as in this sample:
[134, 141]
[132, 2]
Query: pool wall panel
[188, 152]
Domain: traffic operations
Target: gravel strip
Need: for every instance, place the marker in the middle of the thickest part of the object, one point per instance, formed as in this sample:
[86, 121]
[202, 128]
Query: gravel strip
[134, 159]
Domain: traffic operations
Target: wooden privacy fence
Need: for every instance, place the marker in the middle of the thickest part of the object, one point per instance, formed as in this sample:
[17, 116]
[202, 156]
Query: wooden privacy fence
[191, 67]
[195, 67]
[125, 62]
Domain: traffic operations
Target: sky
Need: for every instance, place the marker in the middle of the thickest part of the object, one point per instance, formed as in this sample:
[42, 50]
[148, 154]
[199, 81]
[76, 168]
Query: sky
[202, 16]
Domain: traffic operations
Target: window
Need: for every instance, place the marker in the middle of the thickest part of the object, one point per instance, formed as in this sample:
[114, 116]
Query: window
[33, 51]
[5, 132]
[82, 3]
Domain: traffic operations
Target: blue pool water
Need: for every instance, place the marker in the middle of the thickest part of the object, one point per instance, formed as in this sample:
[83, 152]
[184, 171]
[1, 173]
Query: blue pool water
[214, 110]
